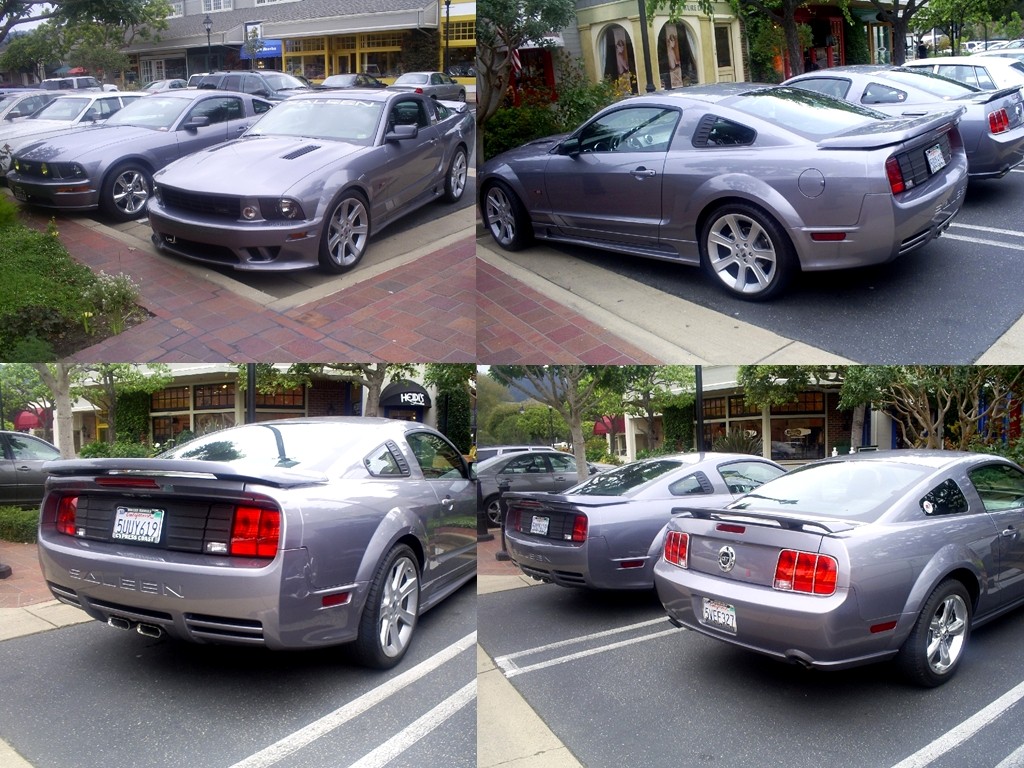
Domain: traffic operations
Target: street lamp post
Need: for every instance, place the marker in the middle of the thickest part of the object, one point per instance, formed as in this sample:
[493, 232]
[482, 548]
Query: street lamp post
[447, 28]
[551, 432]
[208, 26]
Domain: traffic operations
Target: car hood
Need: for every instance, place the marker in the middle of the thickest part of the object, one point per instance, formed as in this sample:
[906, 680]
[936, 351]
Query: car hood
[272, 164]
[532, 149]
[71, 145]
[41, 128]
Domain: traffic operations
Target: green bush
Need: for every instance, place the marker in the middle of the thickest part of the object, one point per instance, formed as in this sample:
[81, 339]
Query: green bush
[18, 525]
[737, 441]
[118, 450]
[512, 127]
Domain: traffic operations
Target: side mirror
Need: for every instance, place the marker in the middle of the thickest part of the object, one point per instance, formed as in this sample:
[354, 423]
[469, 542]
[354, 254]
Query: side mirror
[195, 123]
[569, 147]
[400, 132]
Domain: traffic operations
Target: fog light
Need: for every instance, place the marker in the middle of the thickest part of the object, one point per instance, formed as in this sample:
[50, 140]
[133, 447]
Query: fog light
[250, 213]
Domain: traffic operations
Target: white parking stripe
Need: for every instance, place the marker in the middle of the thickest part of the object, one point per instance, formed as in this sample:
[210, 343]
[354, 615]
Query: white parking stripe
[1014, 760]
[581, 639]
[956, 736]
[980, 241]
[511, 670]
[342, 715]
[416, 730]
[993, 230]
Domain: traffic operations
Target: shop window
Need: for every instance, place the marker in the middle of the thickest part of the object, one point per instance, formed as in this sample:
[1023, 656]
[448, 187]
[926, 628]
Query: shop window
[292, 398]
[798, 439]
[169, 427]
[170, 399]
[214, 396]
[738, 407]
[714, 408]
[806, 402]
[676, 62]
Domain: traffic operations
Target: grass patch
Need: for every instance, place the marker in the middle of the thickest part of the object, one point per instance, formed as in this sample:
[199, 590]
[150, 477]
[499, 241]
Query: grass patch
[50, 305]
[18, 525]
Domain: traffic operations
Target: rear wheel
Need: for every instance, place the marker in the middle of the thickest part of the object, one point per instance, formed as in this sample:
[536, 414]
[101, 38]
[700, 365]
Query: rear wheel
[455, 181]
[391, 611]
[126, 191]
[506, 217]
[493, 509]
[933, 650]
[346, 232]
[746, 251]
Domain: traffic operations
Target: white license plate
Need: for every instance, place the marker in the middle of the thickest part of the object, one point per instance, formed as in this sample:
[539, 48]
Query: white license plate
[135, 524]
[19, 193]
[936, 162]
[539, 525]
[718, 615]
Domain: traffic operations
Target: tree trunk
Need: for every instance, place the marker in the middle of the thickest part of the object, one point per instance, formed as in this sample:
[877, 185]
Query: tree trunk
[58, 380]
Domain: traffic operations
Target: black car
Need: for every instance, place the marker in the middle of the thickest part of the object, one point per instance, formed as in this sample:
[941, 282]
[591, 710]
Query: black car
[271, 85]
[22, 478]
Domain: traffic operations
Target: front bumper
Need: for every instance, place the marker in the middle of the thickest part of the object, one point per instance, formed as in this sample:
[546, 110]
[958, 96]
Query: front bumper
[64, 194]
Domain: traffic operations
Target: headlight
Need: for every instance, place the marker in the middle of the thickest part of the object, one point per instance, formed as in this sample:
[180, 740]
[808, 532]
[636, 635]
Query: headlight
[276, 208]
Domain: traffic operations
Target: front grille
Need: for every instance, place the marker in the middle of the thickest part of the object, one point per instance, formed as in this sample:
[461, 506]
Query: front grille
[34, 170]
[188, 526]
[198, 250]
[914, 164]
[199, 202]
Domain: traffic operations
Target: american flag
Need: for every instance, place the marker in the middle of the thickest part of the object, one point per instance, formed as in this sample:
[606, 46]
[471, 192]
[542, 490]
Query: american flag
[517, 65]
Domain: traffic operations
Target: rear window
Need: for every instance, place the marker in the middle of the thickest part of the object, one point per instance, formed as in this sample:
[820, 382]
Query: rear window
[806, 113]
[625, 480]
[280, 446]
[850, 490]
[937, 85]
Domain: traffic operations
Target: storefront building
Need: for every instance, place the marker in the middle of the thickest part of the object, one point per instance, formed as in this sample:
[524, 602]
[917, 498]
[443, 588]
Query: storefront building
[312, 38]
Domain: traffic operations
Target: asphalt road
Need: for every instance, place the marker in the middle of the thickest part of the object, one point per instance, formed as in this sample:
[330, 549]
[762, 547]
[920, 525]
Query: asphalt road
[618, 685]
[89, 695]
[946, 302]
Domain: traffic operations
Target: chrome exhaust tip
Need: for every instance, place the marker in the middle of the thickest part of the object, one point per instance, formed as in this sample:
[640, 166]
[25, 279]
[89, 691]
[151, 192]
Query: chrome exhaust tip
[149, 630]
[118, 623]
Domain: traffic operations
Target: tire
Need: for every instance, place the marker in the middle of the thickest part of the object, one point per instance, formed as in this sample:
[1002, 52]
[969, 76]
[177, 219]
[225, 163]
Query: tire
[493, 510]
[933, 650]
[392, 609]
[505, 216]
[455, 179]
[126, 191]
[346, 232]
[746, 251]
[462, 96]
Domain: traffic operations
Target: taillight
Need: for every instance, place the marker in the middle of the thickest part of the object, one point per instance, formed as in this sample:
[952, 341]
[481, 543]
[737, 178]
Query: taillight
[895, 175]
[998, 121]
[805, 572]
[677, 545]
[255, 532]
[67, 508]
[579, 528]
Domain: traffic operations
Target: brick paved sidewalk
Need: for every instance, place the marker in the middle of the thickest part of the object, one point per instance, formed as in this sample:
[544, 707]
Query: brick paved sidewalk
[25, 585]
[422, 311]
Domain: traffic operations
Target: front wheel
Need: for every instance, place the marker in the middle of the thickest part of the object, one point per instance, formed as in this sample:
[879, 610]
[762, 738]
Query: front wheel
[455, 180]
[505, 217]
[933, 650]
[747, 251]
[346, 231]
[391, 611]
[126, 191]
[493, 509]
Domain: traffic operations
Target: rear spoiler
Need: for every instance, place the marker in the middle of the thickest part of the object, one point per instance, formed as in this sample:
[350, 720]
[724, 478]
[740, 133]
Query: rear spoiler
[789, 522]
[454, 106]
[895, 131]
[989, 96]
[183, 469]
[560, 500]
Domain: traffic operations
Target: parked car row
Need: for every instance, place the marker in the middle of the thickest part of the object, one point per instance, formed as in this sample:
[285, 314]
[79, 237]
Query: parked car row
[891, 555]
[836, 168]
[325, 171]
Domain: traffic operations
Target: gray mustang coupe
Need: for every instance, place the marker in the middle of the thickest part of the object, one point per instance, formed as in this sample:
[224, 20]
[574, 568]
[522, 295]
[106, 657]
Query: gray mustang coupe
[754, 183]
[855, 559]
[604, 532]
[313, 181]
[111, 166]
[284, 534]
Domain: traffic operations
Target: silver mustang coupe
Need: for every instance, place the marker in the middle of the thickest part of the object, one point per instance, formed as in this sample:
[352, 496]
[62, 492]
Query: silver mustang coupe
[856, 559]
[603, 533]
[751, 182]
[285, 534]
[313, 181]
[111, 166]
[992, 126]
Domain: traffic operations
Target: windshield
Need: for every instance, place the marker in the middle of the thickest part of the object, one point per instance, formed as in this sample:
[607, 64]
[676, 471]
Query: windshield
[156, 111]
[804, 112]
[63, 109]
[334, 118]
[624, 480]
[851, 490]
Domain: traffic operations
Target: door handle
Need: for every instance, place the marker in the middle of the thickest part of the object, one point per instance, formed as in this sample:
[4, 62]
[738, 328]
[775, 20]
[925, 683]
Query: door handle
[448, 503]
[642, 173]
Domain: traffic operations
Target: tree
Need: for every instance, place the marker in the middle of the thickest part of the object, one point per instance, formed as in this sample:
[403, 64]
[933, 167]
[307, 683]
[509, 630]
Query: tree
[953, 17]
[899, 13]
[652, 389]
[571, 390]
[454, 407]
[102, 383]
[21, 388]
[59, 378]
[253, 45]
[372, 376]
[502, 27]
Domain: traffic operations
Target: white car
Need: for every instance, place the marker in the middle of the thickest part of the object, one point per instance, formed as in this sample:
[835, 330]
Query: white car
[77, 109]
[988, 73]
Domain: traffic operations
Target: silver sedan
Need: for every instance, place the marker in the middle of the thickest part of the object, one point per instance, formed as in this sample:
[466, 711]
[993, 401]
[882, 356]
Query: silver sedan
[754, 183]
[437, 85]
[313, 181]
[855, 559]
[285, 534]
[604, 533]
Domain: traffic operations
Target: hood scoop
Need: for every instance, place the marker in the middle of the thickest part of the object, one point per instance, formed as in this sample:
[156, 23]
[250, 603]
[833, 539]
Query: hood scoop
[295, 153]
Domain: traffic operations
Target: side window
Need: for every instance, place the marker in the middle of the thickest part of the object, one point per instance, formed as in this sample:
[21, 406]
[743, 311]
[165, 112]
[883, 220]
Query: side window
[829, 86]
[217, 110]
[562, 463]
[876, 93]
[436, 456]
[745, 476]
[107, 107]
[718, 132]
[259, 106]
[408, 113]
[25, 449]
[691, 485]
[999, 486]
[944, 499]
[384, 462]
[633, 129]
[526, 464]
[232, 83]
